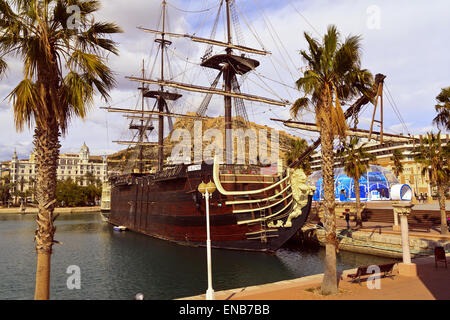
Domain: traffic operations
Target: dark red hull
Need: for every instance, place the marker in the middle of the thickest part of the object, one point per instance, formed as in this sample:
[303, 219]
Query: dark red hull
[169, 207]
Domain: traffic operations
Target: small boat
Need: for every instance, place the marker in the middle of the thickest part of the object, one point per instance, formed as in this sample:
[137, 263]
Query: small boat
[120, 228]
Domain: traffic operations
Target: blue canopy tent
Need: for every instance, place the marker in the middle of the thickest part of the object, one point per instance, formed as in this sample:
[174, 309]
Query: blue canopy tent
[374, 185]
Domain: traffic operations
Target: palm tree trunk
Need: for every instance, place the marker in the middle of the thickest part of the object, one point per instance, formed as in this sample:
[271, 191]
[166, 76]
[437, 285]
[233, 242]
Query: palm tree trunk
[441, 193]
[358, 203]
[329, 283]
[47, 152]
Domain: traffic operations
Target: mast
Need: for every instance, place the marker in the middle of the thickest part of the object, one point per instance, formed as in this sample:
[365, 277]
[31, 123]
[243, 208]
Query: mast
[229, 65]
[141, 130]
[227, 76]
[161, 101]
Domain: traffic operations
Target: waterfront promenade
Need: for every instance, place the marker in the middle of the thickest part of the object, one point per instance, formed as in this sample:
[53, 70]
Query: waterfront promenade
[376, 238]
[430, 284]
[379, 237]
[33, 210]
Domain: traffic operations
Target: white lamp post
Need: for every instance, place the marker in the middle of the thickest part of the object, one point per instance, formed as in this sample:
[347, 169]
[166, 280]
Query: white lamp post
[207, 190]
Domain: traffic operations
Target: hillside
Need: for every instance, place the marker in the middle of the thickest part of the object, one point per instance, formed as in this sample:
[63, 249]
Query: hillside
[151, 154]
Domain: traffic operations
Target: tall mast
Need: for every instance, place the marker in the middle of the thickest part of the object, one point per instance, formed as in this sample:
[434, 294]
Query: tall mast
[161, 101]
[230, 39]
[228, 64]
[142, 130]
[227, 76]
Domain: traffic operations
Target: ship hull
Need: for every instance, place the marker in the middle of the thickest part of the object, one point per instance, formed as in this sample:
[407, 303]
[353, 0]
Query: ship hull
[169, 207]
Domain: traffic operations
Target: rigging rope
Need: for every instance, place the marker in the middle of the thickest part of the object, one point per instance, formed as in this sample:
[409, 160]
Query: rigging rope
[191, 11]
[270, 27]
[304, 18]
[396, 110]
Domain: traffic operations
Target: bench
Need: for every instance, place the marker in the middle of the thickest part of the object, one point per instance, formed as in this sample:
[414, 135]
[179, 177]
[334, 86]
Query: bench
[420, 226]
[386, 269]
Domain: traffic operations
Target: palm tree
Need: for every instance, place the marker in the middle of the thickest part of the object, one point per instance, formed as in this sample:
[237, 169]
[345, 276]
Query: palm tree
[89, 177]
[434, 158]
[22, 182]
[442, 120]
[356, 162]
[397, 157]
[333, 75]
[32, 184]
[64, 67]
[299, 146]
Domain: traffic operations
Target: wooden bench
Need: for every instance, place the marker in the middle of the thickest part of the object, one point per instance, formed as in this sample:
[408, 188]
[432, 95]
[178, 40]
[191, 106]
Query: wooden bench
[386, 269]
[420, 226]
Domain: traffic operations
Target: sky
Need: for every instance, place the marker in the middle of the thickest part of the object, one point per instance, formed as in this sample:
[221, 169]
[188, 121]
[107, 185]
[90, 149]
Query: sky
[405, 40]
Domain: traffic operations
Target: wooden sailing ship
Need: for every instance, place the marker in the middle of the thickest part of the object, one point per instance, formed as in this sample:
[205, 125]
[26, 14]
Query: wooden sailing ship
[250, 210]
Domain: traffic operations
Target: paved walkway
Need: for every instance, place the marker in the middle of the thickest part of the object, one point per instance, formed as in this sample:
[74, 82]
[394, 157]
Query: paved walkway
[434, 206]
[430, 284]
[386, 228]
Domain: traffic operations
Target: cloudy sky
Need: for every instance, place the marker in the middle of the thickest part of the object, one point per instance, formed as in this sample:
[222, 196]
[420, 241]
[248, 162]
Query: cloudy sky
[407, 40]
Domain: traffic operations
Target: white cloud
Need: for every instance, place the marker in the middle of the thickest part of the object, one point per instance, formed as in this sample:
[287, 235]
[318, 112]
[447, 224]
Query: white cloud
[410, 48]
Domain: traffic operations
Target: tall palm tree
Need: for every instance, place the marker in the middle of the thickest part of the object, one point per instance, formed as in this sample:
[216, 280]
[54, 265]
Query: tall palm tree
[64, 67]
[356, 162]
[434, 158]
[397, 157]
[442, 120]
[333, 76]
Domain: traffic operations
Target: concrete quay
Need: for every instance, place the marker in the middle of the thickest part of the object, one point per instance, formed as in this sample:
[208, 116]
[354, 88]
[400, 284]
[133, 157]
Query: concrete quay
[377, 239]
[379, 236]
[32, 210]
[431, 283]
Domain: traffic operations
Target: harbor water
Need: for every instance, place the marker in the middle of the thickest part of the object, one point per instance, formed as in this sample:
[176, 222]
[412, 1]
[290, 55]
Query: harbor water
[118, 265]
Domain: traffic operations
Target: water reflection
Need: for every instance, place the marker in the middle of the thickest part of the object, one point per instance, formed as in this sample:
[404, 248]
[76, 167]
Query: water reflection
[117, 265]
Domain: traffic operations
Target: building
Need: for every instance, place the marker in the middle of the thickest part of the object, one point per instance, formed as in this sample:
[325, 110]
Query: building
[412, 171]
[81, 168]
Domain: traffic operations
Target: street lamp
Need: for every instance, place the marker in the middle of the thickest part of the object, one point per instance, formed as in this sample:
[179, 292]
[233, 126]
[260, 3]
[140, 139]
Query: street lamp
[207, 190]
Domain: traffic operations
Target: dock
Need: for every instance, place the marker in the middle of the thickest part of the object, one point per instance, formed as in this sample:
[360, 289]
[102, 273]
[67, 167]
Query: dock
[34, 210]
[378, 235]
[431, 283]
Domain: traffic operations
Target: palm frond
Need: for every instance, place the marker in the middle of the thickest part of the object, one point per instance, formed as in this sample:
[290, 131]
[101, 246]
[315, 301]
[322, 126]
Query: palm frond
[442, 119]
[299, 105]
[25, 100]
[3, 67]
[95, 70]
[37, 32]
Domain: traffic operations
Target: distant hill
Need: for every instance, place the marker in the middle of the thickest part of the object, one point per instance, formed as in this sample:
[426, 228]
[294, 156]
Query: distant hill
[151, 153]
